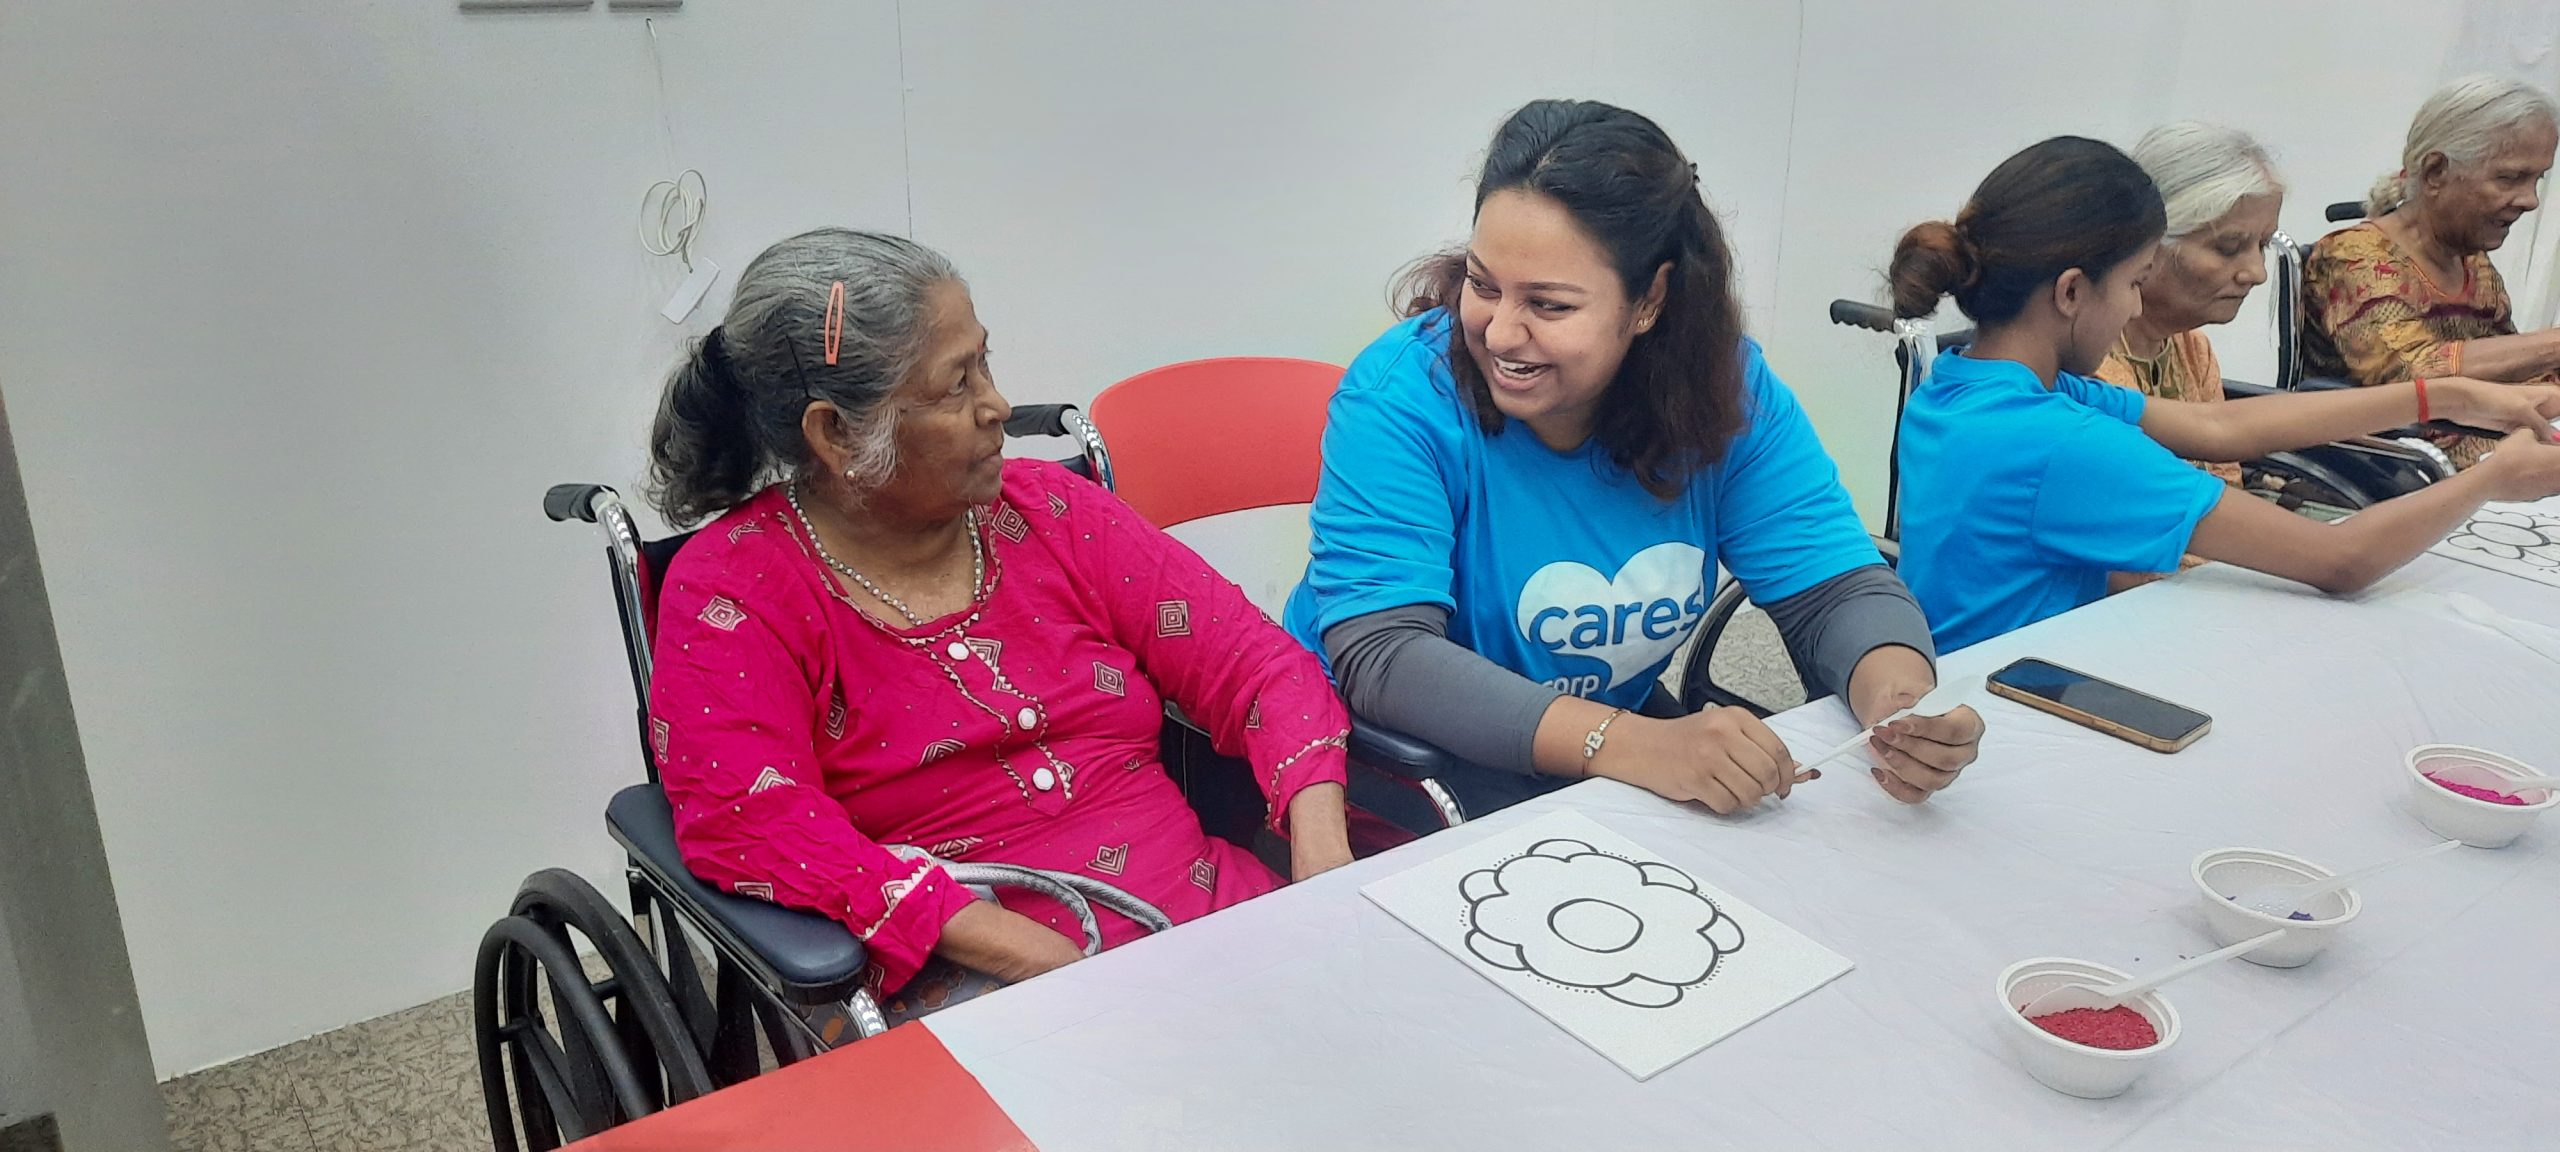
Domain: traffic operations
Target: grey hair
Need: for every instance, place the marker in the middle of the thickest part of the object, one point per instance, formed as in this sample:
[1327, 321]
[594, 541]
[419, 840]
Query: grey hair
[2467, 121]
[2203, 169]
[729, 421]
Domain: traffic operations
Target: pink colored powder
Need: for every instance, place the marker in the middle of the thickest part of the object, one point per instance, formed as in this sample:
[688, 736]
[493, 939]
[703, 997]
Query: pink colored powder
[2474, 792]
[2117, 1029]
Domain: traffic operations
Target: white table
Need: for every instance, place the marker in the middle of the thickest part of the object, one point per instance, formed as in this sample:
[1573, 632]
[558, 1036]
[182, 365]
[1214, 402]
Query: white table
[1309, 1019]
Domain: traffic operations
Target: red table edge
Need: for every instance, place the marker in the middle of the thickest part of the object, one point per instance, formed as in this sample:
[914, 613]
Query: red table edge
[901, 1091]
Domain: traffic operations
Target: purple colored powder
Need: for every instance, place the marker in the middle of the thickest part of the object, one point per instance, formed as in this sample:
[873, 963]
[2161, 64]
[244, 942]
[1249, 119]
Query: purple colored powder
[2295, 916]
[2474, 792]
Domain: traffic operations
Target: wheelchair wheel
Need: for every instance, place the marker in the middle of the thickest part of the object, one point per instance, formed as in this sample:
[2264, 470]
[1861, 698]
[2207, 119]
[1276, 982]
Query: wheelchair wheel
[1698, 686]
[2298, 483]
[564, 1056]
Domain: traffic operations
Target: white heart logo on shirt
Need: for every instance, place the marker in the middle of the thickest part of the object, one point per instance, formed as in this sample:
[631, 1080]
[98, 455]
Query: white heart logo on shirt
[1627, 622]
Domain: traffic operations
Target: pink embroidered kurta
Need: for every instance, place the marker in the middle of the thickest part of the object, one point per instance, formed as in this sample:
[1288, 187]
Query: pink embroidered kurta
[798, 737]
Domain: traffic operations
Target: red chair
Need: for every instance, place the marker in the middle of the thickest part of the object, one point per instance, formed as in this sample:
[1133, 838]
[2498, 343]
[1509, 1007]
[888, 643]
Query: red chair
[1208, 437]
[1180, 460]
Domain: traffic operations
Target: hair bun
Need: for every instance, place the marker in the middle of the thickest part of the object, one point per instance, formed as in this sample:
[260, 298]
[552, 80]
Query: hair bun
[1930, 261]
[2387, 195]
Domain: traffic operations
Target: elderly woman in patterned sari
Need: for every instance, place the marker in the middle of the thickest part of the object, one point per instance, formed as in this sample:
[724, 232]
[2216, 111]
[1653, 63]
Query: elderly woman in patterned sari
[892, 646]
[2222, 197]
[2409, 293]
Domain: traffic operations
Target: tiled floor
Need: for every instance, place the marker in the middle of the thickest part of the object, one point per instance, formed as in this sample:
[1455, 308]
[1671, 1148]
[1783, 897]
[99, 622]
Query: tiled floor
[410, 1082]
[1751, 662]
[403, 1082]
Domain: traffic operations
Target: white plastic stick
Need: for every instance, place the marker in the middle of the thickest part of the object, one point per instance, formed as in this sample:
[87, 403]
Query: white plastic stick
[2128, 989]
[1941, 700]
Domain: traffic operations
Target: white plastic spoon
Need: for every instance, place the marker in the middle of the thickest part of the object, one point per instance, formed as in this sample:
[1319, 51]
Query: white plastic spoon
[2283, 900]
[2067, 997]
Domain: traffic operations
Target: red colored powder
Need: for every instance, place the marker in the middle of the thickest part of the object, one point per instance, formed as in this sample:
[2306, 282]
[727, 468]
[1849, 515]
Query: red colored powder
[2118, 1029]
[2476, 793]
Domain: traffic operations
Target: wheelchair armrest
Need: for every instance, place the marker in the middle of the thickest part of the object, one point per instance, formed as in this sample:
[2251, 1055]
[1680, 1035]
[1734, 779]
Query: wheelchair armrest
[1395, 753]
[810, 958]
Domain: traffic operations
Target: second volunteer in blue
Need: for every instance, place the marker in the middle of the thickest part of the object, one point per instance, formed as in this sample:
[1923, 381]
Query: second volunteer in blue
[1529, 484]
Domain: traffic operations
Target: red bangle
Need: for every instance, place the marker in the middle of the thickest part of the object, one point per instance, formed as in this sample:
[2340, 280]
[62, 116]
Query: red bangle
[2422, 399]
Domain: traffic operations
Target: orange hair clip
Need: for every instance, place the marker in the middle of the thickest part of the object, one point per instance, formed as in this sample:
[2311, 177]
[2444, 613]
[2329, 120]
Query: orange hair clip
[835, 321]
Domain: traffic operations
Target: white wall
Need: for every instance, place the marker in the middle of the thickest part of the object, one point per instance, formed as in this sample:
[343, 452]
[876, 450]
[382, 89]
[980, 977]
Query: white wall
[302, 305]
[1172, 180]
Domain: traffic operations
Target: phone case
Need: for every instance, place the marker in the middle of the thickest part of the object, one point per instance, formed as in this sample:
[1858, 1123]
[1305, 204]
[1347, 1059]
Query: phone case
[2098, 723]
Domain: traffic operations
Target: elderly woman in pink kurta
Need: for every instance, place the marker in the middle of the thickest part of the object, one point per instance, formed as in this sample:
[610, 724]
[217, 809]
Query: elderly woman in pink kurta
[893, 639]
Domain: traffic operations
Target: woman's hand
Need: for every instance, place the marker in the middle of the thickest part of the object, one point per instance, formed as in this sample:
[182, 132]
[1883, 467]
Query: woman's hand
[2521, 469]
[1724, 758]
[2498, 407]
[1003, 943]
[1319, 840]
[1918, 755]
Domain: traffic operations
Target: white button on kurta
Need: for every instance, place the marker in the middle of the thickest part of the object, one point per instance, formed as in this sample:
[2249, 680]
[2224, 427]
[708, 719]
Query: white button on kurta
[1027, 719]
[957, 651]
[1043, 779]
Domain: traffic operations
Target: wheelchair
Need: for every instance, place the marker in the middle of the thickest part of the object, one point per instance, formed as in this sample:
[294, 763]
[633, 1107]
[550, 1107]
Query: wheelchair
[2332, 479]
[1174, 428]
[564, 1052]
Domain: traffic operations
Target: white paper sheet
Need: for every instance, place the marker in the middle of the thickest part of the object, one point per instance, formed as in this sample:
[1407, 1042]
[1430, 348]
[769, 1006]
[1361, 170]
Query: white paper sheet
[1638, 959]
[2517, 539]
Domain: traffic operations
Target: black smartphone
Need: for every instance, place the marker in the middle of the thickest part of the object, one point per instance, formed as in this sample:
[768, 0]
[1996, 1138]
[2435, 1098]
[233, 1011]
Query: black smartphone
[2109, 707]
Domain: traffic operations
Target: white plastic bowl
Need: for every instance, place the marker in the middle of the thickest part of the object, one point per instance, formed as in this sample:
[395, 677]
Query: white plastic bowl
[2059, 1064]
[2226, 872]
[2455, 816]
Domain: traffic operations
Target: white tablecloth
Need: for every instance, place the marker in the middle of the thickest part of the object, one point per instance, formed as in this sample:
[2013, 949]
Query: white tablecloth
[1311, 1020]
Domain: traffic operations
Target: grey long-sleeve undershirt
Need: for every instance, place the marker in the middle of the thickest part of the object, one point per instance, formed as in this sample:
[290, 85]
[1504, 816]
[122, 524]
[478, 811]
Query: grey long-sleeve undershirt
[1397, 666]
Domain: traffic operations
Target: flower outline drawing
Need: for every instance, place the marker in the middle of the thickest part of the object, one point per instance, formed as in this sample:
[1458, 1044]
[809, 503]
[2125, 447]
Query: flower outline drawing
[2518, 536]
[1572, 915]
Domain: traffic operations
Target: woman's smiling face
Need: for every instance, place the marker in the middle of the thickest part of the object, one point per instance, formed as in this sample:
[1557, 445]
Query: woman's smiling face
[1545, 316]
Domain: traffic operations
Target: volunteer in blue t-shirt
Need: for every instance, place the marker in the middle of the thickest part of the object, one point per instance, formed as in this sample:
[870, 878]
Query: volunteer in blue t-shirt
[1529, 484]
[2025, 481]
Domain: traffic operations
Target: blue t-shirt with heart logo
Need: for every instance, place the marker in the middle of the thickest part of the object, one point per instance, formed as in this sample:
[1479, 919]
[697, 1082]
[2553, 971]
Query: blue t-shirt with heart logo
[1558, 566]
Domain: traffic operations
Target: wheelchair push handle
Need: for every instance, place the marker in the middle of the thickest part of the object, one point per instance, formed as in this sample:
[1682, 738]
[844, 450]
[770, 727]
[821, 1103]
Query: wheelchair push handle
[1038, 420]
[2345, 210]
[1862, 315]
[572, 501]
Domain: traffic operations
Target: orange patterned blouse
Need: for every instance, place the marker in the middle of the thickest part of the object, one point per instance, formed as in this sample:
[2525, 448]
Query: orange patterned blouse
[2185, 370]
[2372, 315]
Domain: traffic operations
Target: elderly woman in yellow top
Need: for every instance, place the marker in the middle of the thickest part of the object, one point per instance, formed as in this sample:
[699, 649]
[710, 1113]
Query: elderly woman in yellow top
[2409, 292]
[2222, 196]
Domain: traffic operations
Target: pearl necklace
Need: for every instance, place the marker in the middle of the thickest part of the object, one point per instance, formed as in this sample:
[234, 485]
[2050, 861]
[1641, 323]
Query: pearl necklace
[977, 559]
